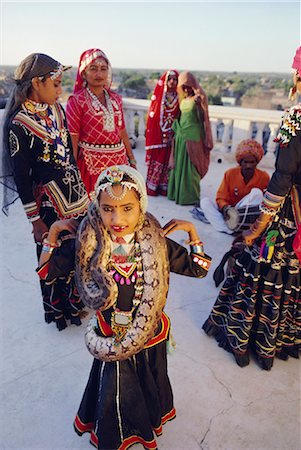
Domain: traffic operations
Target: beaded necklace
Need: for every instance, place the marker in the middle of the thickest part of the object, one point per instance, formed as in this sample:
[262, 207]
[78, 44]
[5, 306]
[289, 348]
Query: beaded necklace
[171, 100]
[108, 113]
[169, 105]
[125, 269]
[44, 115]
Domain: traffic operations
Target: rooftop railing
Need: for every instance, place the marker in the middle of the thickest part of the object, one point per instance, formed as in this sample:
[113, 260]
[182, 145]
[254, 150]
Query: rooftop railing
[229, 126]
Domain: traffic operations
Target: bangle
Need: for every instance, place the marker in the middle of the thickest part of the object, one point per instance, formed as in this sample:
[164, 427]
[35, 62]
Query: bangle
[196, 242]
[47, 249]
[198, 249]
[50, 244]
[132, 161]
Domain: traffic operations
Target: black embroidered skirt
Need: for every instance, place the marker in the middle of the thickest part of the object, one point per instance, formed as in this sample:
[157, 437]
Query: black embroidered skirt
[126, 402]
[61, 301]
[259, 305]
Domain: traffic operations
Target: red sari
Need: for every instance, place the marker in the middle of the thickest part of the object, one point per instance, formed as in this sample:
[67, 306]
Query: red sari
[99, 147]
[98, 128]
[163, 110]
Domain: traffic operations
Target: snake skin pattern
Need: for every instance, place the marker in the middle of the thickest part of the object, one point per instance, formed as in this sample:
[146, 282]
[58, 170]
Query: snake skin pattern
[98, 289]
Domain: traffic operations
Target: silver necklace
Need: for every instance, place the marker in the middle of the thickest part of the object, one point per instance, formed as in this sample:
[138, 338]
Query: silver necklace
[108, 113]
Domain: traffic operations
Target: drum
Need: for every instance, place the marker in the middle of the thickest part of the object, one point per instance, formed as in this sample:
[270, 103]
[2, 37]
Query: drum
[240, 219]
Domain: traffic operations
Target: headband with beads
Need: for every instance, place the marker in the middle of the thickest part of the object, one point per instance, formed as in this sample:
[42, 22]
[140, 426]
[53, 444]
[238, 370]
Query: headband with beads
[114, 176]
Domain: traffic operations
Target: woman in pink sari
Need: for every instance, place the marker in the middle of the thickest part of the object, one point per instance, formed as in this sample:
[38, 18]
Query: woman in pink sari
[95, 119]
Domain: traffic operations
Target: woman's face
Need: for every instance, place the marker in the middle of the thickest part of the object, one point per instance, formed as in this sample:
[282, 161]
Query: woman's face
[172, 83]
[120, 216]
[47, 91]
[96, 74]
[188, 91]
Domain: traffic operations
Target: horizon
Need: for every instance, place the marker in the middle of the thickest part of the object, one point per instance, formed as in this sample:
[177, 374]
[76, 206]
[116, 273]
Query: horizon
[161, 70]
[226, 37]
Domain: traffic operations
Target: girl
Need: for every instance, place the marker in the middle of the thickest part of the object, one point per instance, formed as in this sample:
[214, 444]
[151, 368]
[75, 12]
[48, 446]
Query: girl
[38, 164]
[123, 261]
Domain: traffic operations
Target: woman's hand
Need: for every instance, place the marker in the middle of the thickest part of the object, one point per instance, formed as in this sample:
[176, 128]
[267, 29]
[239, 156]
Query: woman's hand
[184, 225]
[39, 229]
[57, 227]
[198, 100]
[257, 228]
[133, 162]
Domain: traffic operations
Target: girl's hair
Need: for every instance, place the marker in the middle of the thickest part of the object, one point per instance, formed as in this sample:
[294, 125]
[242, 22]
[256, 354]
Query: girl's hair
[34, 65]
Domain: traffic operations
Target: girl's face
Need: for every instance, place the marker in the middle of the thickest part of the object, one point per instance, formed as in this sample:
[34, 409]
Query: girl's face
[120, 217]
[46, 91]
[96, 74]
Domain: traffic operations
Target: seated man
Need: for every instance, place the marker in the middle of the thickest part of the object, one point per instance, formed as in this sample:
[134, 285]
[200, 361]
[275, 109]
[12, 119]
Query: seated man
[240, 193]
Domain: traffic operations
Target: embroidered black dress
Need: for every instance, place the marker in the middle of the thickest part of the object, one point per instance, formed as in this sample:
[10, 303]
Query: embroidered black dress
[50, 188]
[126, 402]
[259, 305]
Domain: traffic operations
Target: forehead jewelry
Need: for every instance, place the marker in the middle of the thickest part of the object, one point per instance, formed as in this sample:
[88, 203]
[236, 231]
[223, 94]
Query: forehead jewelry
[54, 74]
[115, 177]
[108, 187]
[57, 72]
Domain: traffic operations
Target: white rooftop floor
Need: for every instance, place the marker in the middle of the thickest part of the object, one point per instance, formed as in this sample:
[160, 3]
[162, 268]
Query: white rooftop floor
[44, 372]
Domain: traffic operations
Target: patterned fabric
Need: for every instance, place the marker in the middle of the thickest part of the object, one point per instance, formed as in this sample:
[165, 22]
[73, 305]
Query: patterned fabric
[157, 172]
[140, 381]
[98, 148]
[40, 147]
[163, 110]
[271, 203]
[50, 187]
[249, 147]
[290, 126]
[259, 306]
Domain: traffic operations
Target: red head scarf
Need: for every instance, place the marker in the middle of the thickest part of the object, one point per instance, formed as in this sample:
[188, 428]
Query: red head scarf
[88, 57]
[297, 60]
[155, 112]
[249, 147]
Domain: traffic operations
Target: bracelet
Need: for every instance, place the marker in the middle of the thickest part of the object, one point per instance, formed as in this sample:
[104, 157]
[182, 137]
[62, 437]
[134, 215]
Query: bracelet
[196, 242]
[47, 249]
[132, 161]
[49, 244]
[198, 249]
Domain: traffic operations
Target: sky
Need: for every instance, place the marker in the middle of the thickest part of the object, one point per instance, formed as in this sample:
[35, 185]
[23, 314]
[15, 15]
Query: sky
[258, 36]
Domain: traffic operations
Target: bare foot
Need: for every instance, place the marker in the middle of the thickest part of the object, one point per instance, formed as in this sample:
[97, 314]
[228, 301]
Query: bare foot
[83, 313]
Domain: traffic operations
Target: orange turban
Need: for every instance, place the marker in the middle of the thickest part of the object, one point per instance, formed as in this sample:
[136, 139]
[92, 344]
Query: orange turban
[249, 147]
